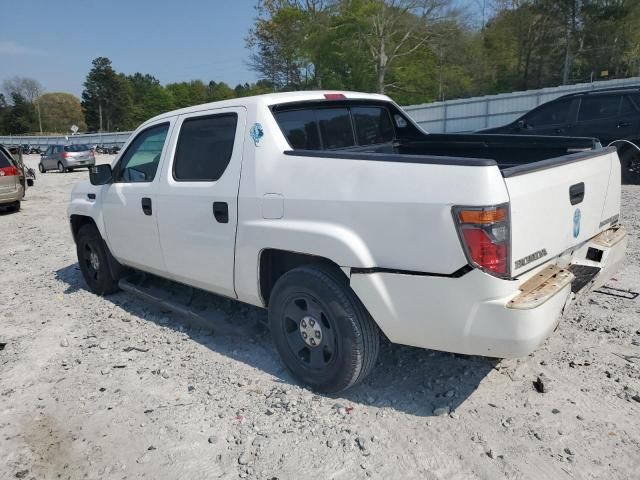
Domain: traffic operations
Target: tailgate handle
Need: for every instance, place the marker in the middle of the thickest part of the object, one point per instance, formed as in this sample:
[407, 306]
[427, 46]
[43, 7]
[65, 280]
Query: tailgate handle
[576, 193]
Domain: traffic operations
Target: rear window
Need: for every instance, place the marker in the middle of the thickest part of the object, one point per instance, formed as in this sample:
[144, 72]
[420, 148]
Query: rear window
[335, 127]
[204, 147]
[600, 106]
[301, 129]
[327, 128]
[76, 148]
[4, 161]
[373, 125]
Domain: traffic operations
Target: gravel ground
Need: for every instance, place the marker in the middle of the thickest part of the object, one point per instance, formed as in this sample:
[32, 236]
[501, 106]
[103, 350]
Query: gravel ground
[113, 388]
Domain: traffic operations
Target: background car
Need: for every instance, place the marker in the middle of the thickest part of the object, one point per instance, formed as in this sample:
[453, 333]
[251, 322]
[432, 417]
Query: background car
[12, 180]
[611, 115]
[65, 158]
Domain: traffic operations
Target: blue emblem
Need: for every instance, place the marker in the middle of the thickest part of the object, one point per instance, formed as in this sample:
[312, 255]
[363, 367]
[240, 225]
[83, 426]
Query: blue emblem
[576, 223]
[256, 133]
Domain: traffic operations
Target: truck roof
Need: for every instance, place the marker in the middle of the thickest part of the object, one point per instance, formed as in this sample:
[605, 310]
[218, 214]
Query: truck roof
[269, 99]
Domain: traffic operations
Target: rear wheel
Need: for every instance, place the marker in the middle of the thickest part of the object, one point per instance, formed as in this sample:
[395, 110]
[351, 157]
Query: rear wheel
[93, 261]
[321, 330]
[61, 168]
[630, 164]
[16, 207]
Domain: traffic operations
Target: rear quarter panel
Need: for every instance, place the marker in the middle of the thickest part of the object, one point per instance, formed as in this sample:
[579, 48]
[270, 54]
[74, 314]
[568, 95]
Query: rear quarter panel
[356, 213]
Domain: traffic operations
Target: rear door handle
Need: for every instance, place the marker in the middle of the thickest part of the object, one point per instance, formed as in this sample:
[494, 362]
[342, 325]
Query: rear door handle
[221, 212]
[576, 193]
[146, 206]
[623, 124]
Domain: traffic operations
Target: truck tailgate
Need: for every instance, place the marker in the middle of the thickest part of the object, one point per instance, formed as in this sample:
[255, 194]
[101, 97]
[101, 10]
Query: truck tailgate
[560, 203]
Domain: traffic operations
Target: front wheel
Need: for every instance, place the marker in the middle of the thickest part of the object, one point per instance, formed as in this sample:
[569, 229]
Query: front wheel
[41, 168]
[92, 258]
[323, 333]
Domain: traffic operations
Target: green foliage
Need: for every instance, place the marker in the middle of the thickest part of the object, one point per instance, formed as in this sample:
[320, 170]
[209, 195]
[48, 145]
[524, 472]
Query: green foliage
[106, 99]
[20, 117]
[60, 111]
[420, 51]
[416, 51]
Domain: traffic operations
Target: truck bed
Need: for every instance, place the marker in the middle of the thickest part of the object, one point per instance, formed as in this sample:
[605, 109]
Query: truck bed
[507, 150]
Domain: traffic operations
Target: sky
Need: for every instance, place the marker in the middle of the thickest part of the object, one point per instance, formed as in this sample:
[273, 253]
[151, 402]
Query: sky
[54, 41]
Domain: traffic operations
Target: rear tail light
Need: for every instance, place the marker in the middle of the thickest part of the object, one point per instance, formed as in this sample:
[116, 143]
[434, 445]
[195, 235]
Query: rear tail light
[485, 236]
[65, 155]
[8, 171]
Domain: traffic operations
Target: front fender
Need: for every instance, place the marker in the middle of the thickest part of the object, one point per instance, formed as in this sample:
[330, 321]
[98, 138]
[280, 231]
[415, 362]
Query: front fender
[80, 204]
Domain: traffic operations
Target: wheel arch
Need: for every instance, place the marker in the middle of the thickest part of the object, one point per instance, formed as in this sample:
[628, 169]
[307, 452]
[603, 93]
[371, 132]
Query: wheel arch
[273, 263]
[78, 221]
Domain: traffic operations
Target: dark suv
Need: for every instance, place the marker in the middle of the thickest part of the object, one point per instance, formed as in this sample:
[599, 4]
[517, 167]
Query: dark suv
[607, 114]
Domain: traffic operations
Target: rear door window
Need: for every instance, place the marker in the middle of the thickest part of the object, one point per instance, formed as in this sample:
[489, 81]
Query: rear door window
[550, 114]
[627, 107]
[373, 125]
[204, 147]
[598, 106]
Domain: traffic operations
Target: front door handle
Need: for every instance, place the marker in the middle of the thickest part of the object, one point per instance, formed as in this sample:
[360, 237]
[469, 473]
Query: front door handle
[221, 212]
[623, 124]
[146, 206]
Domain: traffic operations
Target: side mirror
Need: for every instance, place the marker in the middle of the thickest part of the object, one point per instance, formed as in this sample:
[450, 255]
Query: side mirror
[100, 174]
[42, 154]
[522, 124]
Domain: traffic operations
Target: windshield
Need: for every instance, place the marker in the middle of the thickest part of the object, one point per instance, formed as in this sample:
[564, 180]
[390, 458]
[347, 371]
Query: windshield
[76, 148]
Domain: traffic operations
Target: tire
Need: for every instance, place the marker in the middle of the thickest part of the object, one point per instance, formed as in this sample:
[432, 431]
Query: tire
[61, 168]
[630, 166]
[16, 207]
[93, 261]
[41, 168]
[315, 298]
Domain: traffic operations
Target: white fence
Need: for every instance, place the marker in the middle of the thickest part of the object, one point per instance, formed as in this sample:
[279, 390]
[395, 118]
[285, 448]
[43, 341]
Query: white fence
[463, 115]
[469, 114]
[107, 139]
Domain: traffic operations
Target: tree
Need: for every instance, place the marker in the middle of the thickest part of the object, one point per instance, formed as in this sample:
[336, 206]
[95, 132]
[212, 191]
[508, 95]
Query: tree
[392, 29]
[20, 117]
[286, 42]
[29, 89]
[61, 110]
[106, 99]
[148, 97]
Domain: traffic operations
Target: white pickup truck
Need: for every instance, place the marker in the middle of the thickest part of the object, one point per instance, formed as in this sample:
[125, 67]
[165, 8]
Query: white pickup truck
[336, 212]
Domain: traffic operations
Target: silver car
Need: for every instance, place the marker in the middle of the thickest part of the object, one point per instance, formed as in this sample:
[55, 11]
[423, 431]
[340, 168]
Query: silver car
[64, 158]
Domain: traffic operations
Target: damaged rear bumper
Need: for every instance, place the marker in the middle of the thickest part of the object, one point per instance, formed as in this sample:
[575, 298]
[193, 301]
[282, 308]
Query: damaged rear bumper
[479, 314]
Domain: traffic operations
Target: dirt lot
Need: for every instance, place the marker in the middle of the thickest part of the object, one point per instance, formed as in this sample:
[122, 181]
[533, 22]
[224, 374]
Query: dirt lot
[114, 388]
